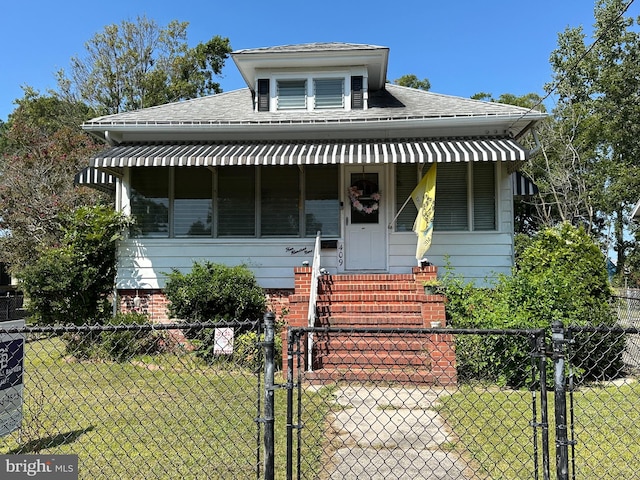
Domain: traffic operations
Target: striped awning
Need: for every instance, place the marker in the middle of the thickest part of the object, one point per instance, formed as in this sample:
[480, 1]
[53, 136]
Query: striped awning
[523, 185]
[308, 153]
[95, 178]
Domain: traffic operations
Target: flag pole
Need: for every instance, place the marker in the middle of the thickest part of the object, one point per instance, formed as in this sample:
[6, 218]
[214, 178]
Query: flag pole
[399, 212]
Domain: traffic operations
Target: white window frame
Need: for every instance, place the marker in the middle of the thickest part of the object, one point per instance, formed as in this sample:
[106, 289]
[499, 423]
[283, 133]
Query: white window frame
[310, 77]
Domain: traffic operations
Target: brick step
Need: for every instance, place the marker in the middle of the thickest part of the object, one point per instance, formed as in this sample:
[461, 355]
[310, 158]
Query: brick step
[370, 296]
[373, 321]
[368, 277]
[369, 308]
[341, 343]
[421, 376]
[378, 286]
[372, 359]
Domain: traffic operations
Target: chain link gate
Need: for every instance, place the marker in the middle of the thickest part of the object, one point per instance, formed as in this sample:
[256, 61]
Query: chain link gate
[353, 422]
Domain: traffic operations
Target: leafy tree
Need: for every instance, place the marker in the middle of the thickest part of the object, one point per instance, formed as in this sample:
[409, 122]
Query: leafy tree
[71, 283]
[42, 151]
[529, 100]
[597, 88]
[139, 64]
[412, 81]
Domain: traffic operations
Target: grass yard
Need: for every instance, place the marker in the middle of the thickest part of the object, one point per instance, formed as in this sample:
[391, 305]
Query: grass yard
[493, 427]
[164, 416]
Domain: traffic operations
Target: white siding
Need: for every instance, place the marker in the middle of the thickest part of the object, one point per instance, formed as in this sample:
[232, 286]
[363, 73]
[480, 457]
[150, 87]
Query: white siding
[144, 263]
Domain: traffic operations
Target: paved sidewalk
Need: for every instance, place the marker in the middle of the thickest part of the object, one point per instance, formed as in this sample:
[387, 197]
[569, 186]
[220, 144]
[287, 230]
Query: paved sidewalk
[392, 434]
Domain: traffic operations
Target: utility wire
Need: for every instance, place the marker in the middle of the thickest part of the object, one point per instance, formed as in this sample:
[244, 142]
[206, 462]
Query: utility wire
[574, 67]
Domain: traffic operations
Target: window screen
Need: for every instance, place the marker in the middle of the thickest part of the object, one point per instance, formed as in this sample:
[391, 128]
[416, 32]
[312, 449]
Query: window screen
[192, 205]
[322, 203]
[150, 201]
[484, 196]
[280, 187]
[406, 181]
[236, 201]
[451, 197]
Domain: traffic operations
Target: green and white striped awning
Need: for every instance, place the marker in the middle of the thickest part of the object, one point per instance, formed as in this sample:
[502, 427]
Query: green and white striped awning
[202, 154]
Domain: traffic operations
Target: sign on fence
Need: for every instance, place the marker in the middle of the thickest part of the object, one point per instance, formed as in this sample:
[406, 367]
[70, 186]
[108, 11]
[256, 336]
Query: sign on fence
[11, 379]
[223, 341]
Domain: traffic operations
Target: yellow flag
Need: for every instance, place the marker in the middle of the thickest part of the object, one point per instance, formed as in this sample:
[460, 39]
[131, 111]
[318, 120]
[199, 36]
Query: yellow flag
[424, 197]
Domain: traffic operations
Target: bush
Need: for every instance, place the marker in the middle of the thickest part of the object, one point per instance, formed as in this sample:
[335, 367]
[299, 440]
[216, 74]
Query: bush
[122, 345]
[560, 274]
[218, 294]
[248, 351]
[72, 283]
[118, 345]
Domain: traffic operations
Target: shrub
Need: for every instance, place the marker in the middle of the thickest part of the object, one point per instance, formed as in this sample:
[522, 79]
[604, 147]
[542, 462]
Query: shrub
[248, 351]
[117, 345]
[122, 345]
[214, 293]
[560, 274]
[71, 283]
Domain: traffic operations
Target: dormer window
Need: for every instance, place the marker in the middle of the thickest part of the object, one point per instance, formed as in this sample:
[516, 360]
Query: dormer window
[328, 93]
[292, 94]
[310, 91]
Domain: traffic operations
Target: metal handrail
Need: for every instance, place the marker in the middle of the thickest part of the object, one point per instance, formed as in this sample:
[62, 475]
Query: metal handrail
[313, 297]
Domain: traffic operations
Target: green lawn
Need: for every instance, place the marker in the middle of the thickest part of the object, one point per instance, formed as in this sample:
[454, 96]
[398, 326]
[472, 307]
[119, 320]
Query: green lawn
[164, 416]
[493, 428]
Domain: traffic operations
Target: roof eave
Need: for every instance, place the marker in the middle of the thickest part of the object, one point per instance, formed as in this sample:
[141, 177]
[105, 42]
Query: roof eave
[501, 125]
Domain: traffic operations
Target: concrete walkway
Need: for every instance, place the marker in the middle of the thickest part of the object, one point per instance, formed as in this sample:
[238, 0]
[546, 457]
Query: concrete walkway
[392, 433]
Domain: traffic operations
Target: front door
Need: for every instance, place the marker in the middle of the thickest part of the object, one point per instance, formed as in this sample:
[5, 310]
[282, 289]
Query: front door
[365, 235]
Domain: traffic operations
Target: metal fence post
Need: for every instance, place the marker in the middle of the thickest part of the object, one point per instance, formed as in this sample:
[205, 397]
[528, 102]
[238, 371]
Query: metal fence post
[562, 440]
[269, 409]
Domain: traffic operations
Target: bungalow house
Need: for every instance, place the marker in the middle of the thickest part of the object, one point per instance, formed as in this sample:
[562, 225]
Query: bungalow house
[317, 142]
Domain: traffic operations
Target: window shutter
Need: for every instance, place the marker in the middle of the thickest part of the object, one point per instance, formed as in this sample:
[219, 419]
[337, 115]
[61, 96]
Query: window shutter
[484, 196]
[263, 95]
[357, 94]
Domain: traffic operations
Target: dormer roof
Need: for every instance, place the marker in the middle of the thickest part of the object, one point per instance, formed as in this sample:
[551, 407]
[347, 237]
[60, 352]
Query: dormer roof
[252, 61]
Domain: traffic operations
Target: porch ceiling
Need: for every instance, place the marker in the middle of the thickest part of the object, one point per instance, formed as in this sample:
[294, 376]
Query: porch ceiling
[308, 153]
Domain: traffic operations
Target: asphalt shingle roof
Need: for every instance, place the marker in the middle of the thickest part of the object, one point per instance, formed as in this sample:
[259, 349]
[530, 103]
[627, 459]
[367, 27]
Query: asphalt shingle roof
[310, 47]
[236, 107]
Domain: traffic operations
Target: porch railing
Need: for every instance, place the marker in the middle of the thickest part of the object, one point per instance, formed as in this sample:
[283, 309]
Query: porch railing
[313, 296]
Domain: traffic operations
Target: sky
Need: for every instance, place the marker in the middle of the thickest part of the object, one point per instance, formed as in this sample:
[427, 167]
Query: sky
[462, 46]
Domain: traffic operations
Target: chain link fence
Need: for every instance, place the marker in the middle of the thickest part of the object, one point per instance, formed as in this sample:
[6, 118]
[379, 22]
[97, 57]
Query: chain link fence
[171, 401]
[604, 408]
[140, 401]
